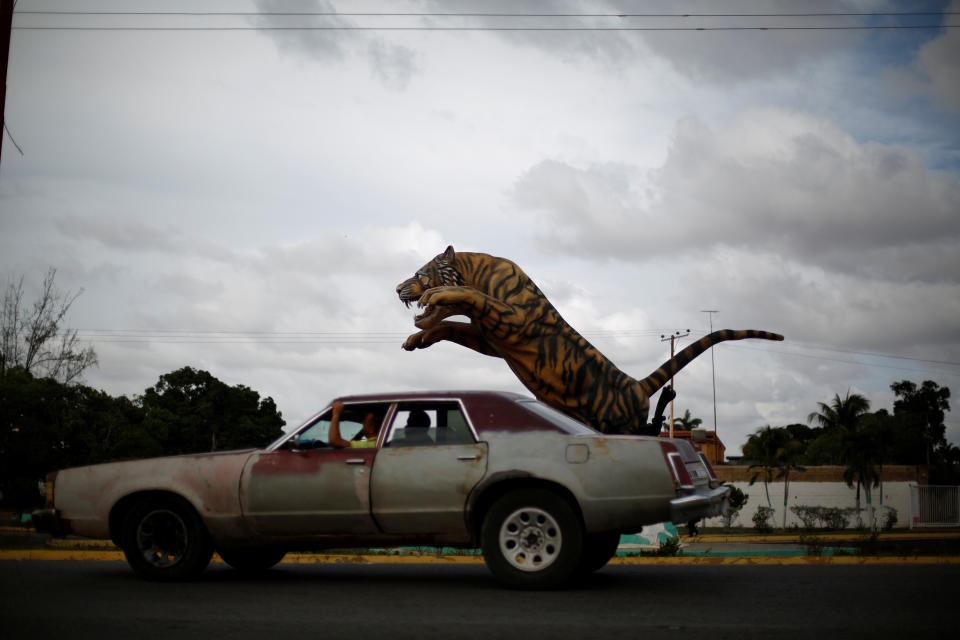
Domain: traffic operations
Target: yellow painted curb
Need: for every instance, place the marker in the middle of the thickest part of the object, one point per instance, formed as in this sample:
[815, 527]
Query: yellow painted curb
[60, 554]
[824, 537]
[315, 558]
[793, 560]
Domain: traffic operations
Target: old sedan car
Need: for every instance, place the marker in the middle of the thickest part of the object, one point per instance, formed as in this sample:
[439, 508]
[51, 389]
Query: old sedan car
[543, 496]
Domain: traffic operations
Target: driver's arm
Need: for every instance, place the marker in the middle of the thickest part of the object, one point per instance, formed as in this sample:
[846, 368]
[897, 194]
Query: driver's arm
[334, 435]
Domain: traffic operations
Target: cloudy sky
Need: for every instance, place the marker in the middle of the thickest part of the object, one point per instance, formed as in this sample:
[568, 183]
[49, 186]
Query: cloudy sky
[240, 194]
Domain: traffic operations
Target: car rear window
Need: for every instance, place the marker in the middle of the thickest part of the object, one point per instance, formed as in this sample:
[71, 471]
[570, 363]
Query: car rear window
[563, 422]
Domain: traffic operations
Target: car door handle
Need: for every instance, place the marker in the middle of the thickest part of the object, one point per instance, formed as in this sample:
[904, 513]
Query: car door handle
[356, 461]
[468, 458]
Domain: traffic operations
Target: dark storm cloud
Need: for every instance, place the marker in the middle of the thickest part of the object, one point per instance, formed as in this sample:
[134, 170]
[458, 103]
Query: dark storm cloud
[770, 179]
[392, 63]
[715, 57]
[321, 44]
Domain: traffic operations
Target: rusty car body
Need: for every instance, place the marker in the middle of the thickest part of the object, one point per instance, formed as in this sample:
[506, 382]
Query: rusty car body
[543, 496]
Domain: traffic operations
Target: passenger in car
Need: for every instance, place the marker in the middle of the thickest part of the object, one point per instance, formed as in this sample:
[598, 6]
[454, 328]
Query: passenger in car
[370, 428]
[415, 431]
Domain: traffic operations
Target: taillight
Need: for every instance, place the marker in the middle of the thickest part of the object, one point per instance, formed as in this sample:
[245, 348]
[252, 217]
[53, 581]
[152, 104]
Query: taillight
[51, 481]
[706, 463]
[681, 477]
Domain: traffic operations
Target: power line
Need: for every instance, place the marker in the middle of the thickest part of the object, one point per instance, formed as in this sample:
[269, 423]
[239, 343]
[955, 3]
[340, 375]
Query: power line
[856, 362]
[853, 352]
[214, 336]
[488, 28]
[619, 16]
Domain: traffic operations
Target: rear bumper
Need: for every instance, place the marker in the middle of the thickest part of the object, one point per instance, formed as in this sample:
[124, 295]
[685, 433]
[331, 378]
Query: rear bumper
[49, 521]
[703, 504]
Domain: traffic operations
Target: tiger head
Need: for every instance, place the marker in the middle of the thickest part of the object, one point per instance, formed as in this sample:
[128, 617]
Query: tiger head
[439, 272]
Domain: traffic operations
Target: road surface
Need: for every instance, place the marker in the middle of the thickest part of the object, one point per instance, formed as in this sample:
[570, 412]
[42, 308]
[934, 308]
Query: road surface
[69, 599]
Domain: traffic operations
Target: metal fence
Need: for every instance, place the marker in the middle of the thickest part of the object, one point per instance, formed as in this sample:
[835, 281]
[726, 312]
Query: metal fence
[934, 506]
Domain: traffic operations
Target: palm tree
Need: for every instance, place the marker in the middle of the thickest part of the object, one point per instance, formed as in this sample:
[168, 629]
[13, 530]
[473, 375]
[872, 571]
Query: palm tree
[788, 459]
[774, 453]
[841, 414]
[761, 451]
[860, 453]
[687, 422]
[859, 450]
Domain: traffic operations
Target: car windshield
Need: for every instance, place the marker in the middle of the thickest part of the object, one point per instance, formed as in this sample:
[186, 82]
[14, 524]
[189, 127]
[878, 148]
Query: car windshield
[563, 422]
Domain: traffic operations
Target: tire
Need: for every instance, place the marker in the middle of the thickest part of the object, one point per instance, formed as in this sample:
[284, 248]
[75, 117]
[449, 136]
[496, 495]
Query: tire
[598, 549]
[165, 540]
[532, 539]
[252, 560]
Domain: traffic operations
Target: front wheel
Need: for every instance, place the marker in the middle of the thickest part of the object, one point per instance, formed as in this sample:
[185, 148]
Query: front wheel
[532, 539]
[252, 560]
[164, 539]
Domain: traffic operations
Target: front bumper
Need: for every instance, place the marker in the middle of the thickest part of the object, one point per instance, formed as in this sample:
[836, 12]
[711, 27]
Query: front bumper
[702, 504]
[49, 521]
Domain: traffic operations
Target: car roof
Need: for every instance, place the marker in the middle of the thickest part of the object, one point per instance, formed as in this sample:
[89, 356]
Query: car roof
[489, 410]
[396, 396]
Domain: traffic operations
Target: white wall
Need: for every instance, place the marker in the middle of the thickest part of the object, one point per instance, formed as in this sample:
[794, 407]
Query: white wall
[818, 494]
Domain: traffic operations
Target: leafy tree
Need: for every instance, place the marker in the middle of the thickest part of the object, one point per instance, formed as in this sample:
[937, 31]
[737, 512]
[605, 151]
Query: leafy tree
[686, 422]
[32, 338]
[923, 410]
[47, 425]
[190, 411]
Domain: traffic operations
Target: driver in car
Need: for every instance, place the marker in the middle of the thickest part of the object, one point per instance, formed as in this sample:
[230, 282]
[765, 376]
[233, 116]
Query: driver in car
[370, 428]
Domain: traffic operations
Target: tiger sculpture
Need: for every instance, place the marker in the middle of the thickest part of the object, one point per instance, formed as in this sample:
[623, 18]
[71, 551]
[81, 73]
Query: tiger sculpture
[510, 318]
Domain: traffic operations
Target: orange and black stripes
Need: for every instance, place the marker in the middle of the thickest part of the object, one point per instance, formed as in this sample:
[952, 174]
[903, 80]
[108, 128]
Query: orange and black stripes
[652, 383]
[512, 319]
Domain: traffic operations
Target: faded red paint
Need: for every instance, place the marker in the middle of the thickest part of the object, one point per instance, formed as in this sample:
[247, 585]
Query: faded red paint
[283, 462]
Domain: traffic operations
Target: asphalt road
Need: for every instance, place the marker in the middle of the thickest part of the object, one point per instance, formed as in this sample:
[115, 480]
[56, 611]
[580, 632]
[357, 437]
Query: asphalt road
[67, 599]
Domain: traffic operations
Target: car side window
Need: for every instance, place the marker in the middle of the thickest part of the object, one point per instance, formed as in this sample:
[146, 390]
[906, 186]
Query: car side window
[427, 424]
[317, 435]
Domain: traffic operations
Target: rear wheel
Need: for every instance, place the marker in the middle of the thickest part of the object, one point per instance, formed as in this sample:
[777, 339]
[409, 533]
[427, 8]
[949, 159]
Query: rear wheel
[598, 549]
[532, 538]
[164, 539]
[252, 560]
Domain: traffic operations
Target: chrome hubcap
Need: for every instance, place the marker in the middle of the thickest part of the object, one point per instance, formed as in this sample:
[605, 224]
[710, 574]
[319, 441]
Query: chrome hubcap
[530, 539]
[162, 538]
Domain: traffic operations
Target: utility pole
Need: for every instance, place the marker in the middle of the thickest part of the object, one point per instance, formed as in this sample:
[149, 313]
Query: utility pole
[6, 25]
[672, 338]
[713, 370]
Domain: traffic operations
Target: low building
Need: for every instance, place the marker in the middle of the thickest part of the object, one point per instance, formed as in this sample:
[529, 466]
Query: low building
[708, 442]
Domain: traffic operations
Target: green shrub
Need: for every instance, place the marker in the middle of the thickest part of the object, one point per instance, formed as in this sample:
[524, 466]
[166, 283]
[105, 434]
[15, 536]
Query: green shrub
[888, 518]
[735, 502]
[761, 519]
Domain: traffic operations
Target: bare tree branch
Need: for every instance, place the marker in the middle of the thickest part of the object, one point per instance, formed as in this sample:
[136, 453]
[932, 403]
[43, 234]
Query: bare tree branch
[29, 339]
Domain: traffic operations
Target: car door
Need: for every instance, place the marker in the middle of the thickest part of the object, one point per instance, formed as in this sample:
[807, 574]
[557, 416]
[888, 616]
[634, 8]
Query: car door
[309, 488]
[420, 481]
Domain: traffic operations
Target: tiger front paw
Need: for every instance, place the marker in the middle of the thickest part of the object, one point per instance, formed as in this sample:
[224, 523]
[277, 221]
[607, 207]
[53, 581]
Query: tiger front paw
[440, 296]
[413, 341]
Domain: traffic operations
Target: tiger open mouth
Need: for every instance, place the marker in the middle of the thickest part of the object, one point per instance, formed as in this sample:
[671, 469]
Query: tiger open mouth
[424, 313]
